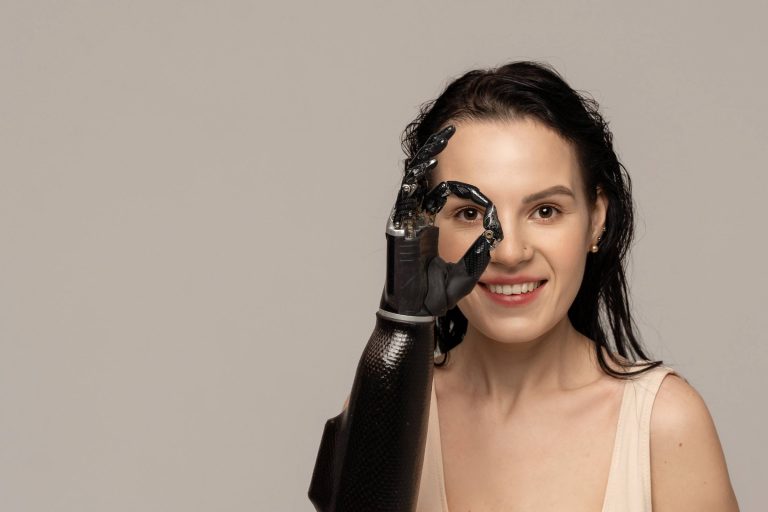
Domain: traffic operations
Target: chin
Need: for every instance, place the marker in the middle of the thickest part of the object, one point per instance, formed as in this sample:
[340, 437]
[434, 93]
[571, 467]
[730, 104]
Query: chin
[509, 331]
[510, 337]
[515, 327]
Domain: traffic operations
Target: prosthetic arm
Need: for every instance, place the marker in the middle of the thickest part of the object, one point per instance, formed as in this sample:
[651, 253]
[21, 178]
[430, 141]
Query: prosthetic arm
[370, 456]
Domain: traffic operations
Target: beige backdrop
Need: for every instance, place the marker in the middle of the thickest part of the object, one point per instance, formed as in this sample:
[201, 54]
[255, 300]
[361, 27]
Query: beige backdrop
[192, 204]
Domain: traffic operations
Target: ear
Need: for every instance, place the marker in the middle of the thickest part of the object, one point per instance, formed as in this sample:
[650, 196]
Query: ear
[597, 217]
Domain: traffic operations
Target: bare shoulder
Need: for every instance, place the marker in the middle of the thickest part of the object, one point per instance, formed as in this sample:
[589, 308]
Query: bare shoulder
[688, 468]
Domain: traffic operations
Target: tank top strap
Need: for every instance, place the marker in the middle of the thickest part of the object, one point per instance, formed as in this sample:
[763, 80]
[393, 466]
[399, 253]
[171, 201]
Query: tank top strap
[431, 496]
[629, 480]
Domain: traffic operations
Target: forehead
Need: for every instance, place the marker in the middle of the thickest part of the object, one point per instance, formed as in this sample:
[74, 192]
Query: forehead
[509, 159]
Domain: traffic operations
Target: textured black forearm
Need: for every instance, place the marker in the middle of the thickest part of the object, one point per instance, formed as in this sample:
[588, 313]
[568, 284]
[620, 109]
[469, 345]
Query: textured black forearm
[371, 455]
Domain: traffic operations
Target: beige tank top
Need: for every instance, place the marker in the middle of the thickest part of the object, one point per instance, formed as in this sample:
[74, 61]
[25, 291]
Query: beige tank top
[629, 480]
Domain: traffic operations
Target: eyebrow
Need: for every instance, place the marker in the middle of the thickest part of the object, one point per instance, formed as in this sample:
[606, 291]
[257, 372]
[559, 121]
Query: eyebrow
[551, 191]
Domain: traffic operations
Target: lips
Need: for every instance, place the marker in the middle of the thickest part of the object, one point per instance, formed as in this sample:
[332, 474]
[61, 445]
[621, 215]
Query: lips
[512, 299]
[514, 289]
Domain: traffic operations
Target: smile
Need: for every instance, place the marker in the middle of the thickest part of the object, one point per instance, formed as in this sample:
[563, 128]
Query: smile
[513, 295]
[514, 289]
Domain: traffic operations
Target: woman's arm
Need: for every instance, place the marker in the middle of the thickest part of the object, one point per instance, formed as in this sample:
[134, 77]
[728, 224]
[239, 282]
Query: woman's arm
[688, 469]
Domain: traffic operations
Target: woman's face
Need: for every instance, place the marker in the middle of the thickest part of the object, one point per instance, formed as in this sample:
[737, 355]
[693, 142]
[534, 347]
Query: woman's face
[532, 176]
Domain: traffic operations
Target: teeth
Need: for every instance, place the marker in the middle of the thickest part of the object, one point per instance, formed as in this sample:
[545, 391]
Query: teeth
[514, 289]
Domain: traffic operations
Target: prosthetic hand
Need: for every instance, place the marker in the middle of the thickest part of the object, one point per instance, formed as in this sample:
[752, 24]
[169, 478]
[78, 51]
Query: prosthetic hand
[371, 455]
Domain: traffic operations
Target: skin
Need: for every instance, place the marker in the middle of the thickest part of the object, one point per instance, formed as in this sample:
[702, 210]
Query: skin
[527, 417]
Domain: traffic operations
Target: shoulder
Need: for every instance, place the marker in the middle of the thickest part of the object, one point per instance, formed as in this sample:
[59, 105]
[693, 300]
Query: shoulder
[688, 468]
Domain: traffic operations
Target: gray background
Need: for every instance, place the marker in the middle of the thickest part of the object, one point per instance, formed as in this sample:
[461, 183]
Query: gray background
[192, 203]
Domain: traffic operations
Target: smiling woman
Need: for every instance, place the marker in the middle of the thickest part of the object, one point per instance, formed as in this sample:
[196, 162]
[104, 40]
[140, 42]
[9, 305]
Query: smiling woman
[509, 244]
[545, 392]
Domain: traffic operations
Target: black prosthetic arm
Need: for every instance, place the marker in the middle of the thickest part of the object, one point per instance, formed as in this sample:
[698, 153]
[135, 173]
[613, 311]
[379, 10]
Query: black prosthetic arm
[371, 455]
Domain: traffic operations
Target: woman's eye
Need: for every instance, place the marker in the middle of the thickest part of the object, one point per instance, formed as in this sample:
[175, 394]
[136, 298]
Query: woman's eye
[546, 212]
[468, 214]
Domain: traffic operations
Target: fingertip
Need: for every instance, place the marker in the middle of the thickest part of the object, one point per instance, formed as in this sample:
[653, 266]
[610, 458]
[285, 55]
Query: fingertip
[448, 131]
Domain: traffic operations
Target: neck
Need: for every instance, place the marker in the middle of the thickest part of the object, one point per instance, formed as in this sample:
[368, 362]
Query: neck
[504, 373]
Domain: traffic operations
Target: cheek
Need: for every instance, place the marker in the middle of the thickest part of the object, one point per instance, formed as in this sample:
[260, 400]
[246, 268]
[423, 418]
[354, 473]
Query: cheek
[567, 256]
[451, 246]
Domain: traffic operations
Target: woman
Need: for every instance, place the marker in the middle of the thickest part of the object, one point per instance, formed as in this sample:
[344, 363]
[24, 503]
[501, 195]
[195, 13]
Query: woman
[543, 398]
[529, 394]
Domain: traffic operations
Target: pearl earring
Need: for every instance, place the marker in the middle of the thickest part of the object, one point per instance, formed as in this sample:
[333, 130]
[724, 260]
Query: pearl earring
[595, 248]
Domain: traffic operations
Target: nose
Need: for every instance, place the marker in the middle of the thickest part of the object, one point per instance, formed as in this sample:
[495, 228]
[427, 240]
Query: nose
[513, 250]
